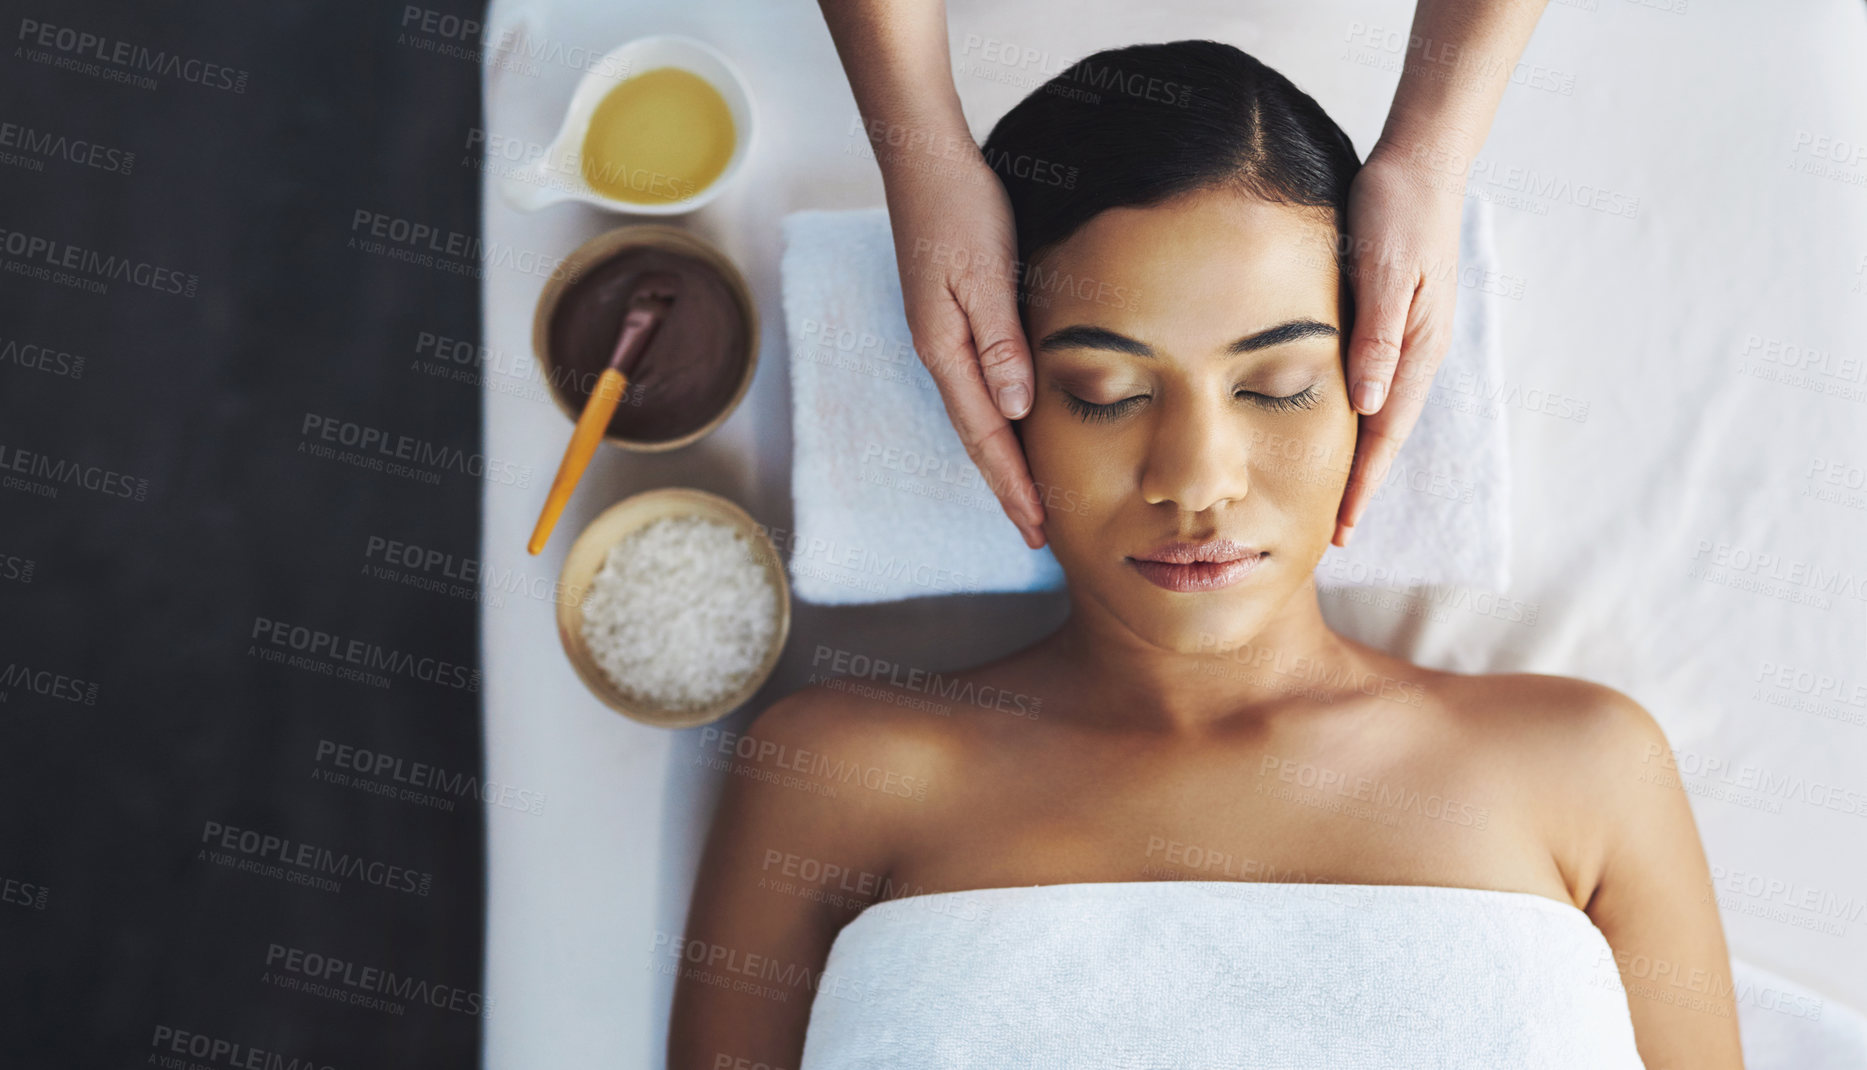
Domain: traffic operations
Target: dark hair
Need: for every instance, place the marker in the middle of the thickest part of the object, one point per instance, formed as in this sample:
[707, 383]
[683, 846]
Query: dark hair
[1134, 126]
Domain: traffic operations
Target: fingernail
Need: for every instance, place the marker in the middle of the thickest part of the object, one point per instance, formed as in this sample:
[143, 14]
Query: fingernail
[1347, 534]
[1368, 395]
[1013, 400]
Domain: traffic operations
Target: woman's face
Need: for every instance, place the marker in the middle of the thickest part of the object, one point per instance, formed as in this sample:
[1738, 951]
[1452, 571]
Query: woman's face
[1190, 391]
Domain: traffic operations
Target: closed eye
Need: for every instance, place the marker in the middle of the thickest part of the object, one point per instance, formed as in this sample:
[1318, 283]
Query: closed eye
[1305, 399]
[1090, 411]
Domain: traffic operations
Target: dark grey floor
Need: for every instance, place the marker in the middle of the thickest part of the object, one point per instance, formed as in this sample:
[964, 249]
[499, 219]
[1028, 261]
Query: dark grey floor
[171, 511]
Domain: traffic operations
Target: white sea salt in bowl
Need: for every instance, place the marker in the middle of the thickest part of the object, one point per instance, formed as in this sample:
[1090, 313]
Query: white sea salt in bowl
[675, 607]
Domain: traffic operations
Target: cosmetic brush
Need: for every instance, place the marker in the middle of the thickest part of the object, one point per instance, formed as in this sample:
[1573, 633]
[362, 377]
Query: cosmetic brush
[648, 306]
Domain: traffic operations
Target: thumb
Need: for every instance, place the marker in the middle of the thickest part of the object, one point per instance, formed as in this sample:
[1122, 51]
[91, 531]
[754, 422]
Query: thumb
[998, 339]
[1383, 297]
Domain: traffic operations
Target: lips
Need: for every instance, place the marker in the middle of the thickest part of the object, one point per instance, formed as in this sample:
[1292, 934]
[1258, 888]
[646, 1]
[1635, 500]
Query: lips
[1191, 567]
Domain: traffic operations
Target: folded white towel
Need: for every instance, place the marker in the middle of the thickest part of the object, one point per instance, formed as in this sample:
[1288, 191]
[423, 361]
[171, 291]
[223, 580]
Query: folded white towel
[1442, 516]
[1191, 974]
[888, 505]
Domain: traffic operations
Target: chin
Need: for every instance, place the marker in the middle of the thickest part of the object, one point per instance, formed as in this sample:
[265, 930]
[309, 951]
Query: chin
[1191, 624]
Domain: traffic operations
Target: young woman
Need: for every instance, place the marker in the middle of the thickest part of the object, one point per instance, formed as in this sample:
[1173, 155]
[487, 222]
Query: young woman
[1196, 826]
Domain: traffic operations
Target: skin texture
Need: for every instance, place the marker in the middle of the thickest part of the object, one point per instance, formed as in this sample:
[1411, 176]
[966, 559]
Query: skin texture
[1403, 225]
[1156, 718]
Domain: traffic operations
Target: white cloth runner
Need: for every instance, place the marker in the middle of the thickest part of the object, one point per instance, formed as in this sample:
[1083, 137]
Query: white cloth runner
[888, 506]
[1194, 974]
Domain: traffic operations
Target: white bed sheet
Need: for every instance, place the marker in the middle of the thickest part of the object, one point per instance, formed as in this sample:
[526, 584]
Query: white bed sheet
[1670, 327]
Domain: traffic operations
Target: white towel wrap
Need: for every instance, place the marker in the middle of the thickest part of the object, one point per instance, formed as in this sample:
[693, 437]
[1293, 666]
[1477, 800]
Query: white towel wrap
[1189, 974]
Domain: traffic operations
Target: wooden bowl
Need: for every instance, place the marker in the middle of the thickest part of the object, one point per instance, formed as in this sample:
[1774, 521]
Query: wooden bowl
[586, 558]
[601, 248]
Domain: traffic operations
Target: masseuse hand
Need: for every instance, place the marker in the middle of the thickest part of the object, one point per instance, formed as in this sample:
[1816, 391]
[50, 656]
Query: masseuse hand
[954, 240]
[1403, 222]
[957, 252]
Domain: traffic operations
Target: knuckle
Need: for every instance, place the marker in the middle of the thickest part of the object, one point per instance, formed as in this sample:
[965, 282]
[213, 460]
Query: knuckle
[1377, 349]
[1003, 354]
[952, 366]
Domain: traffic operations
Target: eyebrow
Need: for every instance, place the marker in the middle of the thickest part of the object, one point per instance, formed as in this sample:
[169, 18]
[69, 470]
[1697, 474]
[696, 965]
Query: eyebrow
[1085, 337]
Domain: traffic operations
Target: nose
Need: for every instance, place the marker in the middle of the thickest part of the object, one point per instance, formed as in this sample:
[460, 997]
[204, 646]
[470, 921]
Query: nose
[1198, 457]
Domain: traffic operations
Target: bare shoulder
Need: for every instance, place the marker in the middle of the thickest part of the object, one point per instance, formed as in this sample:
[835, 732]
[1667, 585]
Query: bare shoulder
[1567, 726]
[819, 793]
[857, 738]
[1604, 787]
[822, 781]
[1581, 759]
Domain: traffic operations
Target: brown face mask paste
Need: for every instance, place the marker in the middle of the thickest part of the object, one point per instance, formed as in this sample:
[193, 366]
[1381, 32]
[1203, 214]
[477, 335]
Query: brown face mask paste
[692, 366]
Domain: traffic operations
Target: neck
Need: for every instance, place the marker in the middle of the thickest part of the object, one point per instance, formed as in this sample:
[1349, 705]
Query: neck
[1295, 661]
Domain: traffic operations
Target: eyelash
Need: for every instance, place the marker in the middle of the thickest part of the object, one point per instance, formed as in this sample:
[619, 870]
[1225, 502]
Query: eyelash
[1306, 399]
[1089, 411]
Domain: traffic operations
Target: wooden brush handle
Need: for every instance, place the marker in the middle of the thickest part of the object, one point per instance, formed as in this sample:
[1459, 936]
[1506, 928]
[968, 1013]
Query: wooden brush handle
[583, 443]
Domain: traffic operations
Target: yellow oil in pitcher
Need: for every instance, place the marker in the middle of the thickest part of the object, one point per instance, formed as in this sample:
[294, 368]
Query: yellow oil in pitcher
[661, 136]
